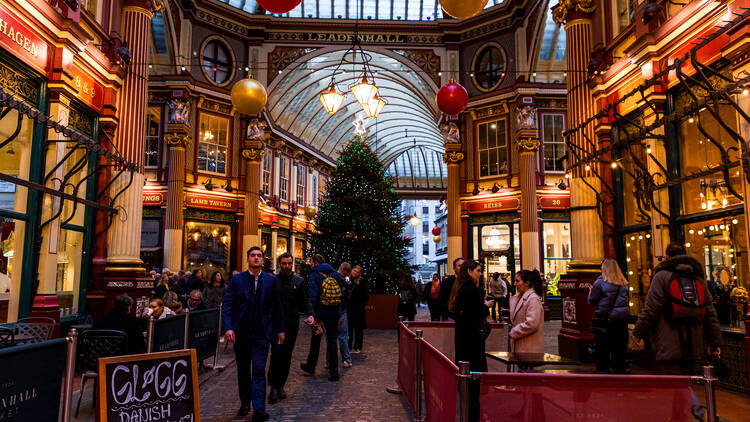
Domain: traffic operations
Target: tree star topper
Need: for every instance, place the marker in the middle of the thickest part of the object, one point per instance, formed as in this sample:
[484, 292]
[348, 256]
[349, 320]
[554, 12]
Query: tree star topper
[359, 125]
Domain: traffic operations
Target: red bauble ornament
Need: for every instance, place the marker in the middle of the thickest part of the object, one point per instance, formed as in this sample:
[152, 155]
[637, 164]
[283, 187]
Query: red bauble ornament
[436, 231]
[407, 238]
[452, 99]
[279, 6]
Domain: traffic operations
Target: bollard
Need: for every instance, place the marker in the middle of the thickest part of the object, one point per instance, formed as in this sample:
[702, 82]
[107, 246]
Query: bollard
[709, 379]
[70, 371]
[150, 341]
[464, 377]
[418, 417]
[394, 389]
[215, 366]
[187, 328]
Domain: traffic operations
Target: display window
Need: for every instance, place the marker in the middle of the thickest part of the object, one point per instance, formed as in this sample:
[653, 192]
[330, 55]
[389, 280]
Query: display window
[69, 254]
[208, 246]
[11, 257]
[498, 249]
[556, 240]
[640, 263]
[282, 245]
[14, 161]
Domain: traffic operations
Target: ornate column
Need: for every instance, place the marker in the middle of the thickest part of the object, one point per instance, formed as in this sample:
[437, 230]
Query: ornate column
[177, 139]
[527, 141]
[253, 155]
[453, 157]
[587, 235]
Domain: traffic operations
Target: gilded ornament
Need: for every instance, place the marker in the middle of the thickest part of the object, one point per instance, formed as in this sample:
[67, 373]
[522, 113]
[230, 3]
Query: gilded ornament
[451, 157]
[177, 140]
[252, 154]
[564, 7]
[527, 144]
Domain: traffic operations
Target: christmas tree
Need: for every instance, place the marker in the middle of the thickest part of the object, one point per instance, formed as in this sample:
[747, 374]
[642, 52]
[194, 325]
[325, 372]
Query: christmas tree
[359, 220]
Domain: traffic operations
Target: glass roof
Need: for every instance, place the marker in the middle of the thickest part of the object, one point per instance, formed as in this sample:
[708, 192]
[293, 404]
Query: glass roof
[412, 10]
[419, 167]
[409, 119]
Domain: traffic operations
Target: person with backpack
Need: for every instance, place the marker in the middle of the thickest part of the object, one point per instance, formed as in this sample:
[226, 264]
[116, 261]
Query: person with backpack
[609, 294]
[326, 296]
[679, 317]
[407, 298]
[343, 328]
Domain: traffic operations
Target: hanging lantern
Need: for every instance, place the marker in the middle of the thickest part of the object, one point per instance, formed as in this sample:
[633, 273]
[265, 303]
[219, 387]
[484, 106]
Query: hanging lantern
[364, 91]
[374, 107]
[436, 231]
[436, 239]
[414, 220]
[249, 96]
[462, 9]
[452, 98]
[279, 6]
[332, 99]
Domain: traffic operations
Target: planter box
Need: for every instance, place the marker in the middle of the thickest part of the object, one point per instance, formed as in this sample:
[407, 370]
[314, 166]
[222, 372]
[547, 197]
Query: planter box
[382, 311]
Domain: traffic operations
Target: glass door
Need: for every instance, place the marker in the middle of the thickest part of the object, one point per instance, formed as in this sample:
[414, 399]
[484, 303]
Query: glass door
[499, 250]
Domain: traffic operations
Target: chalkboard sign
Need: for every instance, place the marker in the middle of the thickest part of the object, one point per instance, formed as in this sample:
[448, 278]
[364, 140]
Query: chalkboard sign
[203, 332]
[149, 387]
[169, 333]
[30, 380]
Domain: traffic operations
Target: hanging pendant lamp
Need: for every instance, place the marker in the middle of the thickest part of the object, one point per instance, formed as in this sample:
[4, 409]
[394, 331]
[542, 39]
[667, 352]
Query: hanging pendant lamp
[374, 107]
[332, 99]
[364, 91]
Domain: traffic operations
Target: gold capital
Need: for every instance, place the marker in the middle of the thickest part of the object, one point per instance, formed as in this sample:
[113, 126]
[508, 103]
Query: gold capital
[561, 12]
[452, 157]
[253, 154]
[527, 144]
[177, 140]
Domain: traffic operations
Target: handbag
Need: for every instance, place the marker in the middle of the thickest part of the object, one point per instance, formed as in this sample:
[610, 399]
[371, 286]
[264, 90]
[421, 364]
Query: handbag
[485, 329]
[601, 319]
[721, 370]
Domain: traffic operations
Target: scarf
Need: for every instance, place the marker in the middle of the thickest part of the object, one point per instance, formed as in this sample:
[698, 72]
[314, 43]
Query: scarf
[434, 291]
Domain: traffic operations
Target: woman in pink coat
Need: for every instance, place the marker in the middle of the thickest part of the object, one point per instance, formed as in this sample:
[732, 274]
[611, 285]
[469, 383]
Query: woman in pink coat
[527, 313]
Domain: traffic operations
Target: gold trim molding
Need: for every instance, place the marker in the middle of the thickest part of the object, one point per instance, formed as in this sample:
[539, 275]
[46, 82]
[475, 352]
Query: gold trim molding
[527, 145]
[252, 154]
[451, 157]
[565, 7]
[176, 140]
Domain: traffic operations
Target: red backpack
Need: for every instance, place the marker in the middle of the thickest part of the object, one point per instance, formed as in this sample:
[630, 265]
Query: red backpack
[687, 297]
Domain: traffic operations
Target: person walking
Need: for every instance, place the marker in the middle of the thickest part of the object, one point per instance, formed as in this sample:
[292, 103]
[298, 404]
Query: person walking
[213, 294]
[294, 295]
[419, 287]
[326, 295]
[162, 287]
[431, 293]
[343, 326]
[527, 313]
[358, 297]
[679, 317]
[446, 289]
[407, 298]
[470, 311]
[609, 294]
[195, 282]
[253, 317]
[497, 290]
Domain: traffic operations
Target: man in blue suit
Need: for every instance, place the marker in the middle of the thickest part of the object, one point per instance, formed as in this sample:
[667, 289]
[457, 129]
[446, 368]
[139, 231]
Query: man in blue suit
[252, 315]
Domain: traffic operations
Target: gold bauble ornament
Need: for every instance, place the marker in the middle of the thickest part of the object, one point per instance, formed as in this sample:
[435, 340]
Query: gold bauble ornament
[436, 239]
[249, 96]
[463, 9]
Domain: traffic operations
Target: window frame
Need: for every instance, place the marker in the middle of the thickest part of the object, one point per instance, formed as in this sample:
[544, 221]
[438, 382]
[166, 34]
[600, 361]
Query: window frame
[228, 159]
[475, 61]
[159, 136]
[284, 163]
[616, 29]
[267, 188]
[231, 65]
[541, 161]
[508, 171]
[300, 193]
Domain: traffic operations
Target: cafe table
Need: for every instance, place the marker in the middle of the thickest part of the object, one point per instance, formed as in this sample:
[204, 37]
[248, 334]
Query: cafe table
[531, 360]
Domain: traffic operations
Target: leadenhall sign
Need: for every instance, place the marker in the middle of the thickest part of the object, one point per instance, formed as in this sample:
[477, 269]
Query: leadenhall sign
[348, 38]
[19, 38]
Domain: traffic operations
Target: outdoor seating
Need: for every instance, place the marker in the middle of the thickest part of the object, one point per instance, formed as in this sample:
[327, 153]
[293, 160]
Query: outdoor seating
[95, 344]
[33, 329]
[7, 338]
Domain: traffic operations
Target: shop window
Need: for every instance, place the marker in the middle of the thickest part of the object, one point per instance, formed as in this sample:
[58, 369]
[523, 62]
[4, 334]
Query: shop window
[69, 254]
[207, 246]
[493, 149]
[720, 245]
[636, 202]
[496, 238]
[301, 184]
[640, 264]
[152, 137]
[14, 160]
[150, 233]
[698, 154]
[489, 67]
[299, 248]
[11, 257]
[283, 178]
[212, 147]
[282, 245]
[217, 62]
[267, 172]
[554, 144]
[265, 244]
[556, 238]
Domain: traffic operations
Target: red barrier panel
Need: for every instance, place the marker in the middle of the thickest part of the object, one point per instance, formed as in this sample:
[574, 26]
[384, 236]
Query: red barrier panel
[440, 385]
[407, 368]
[564, 398]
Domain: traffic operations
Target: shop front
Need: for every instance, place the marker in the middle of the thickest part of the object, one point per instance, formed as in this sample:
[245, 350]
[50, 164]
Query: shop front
[210, 231]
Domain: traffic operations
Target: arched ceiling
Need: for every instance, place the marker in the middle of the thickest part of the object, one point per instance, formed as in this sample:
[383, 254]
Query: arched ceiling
[412, 10]
[294, 105]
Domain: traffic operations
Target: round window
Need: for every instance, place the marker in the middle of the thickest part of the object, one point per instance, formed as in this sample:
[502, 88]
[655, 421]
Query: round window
[489, 67]
[217, 61]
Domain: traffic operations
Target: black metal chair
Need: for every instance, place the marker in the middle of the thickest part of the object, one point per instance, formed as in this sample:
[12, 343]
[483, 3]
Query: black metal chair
[7, 338]
[95, 344]
[34, 329]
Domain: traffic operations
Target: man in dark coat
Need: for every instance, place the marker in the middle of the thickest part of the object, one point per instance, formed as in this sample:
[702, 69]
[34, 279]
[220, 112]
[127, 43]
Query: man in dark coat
[119, 318]
[294, 295]
[253, 318]
[195, 282]
[445, 289]
[676, 344]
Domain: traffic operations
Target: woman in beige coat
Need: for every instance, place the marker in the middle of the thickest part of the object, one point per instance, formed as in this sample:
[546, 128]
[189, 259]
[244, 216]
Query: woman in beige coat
[527, 313]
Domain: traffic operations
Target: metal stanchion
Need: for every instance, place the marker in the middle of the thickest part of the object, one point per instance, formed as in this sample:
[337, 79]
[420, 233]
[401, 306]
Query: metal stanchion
[187, 328]
[710, 379]
[150, 342]
[215, 366]
[418, 417]
[464, 377]
[70, 371]
[395, 389]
